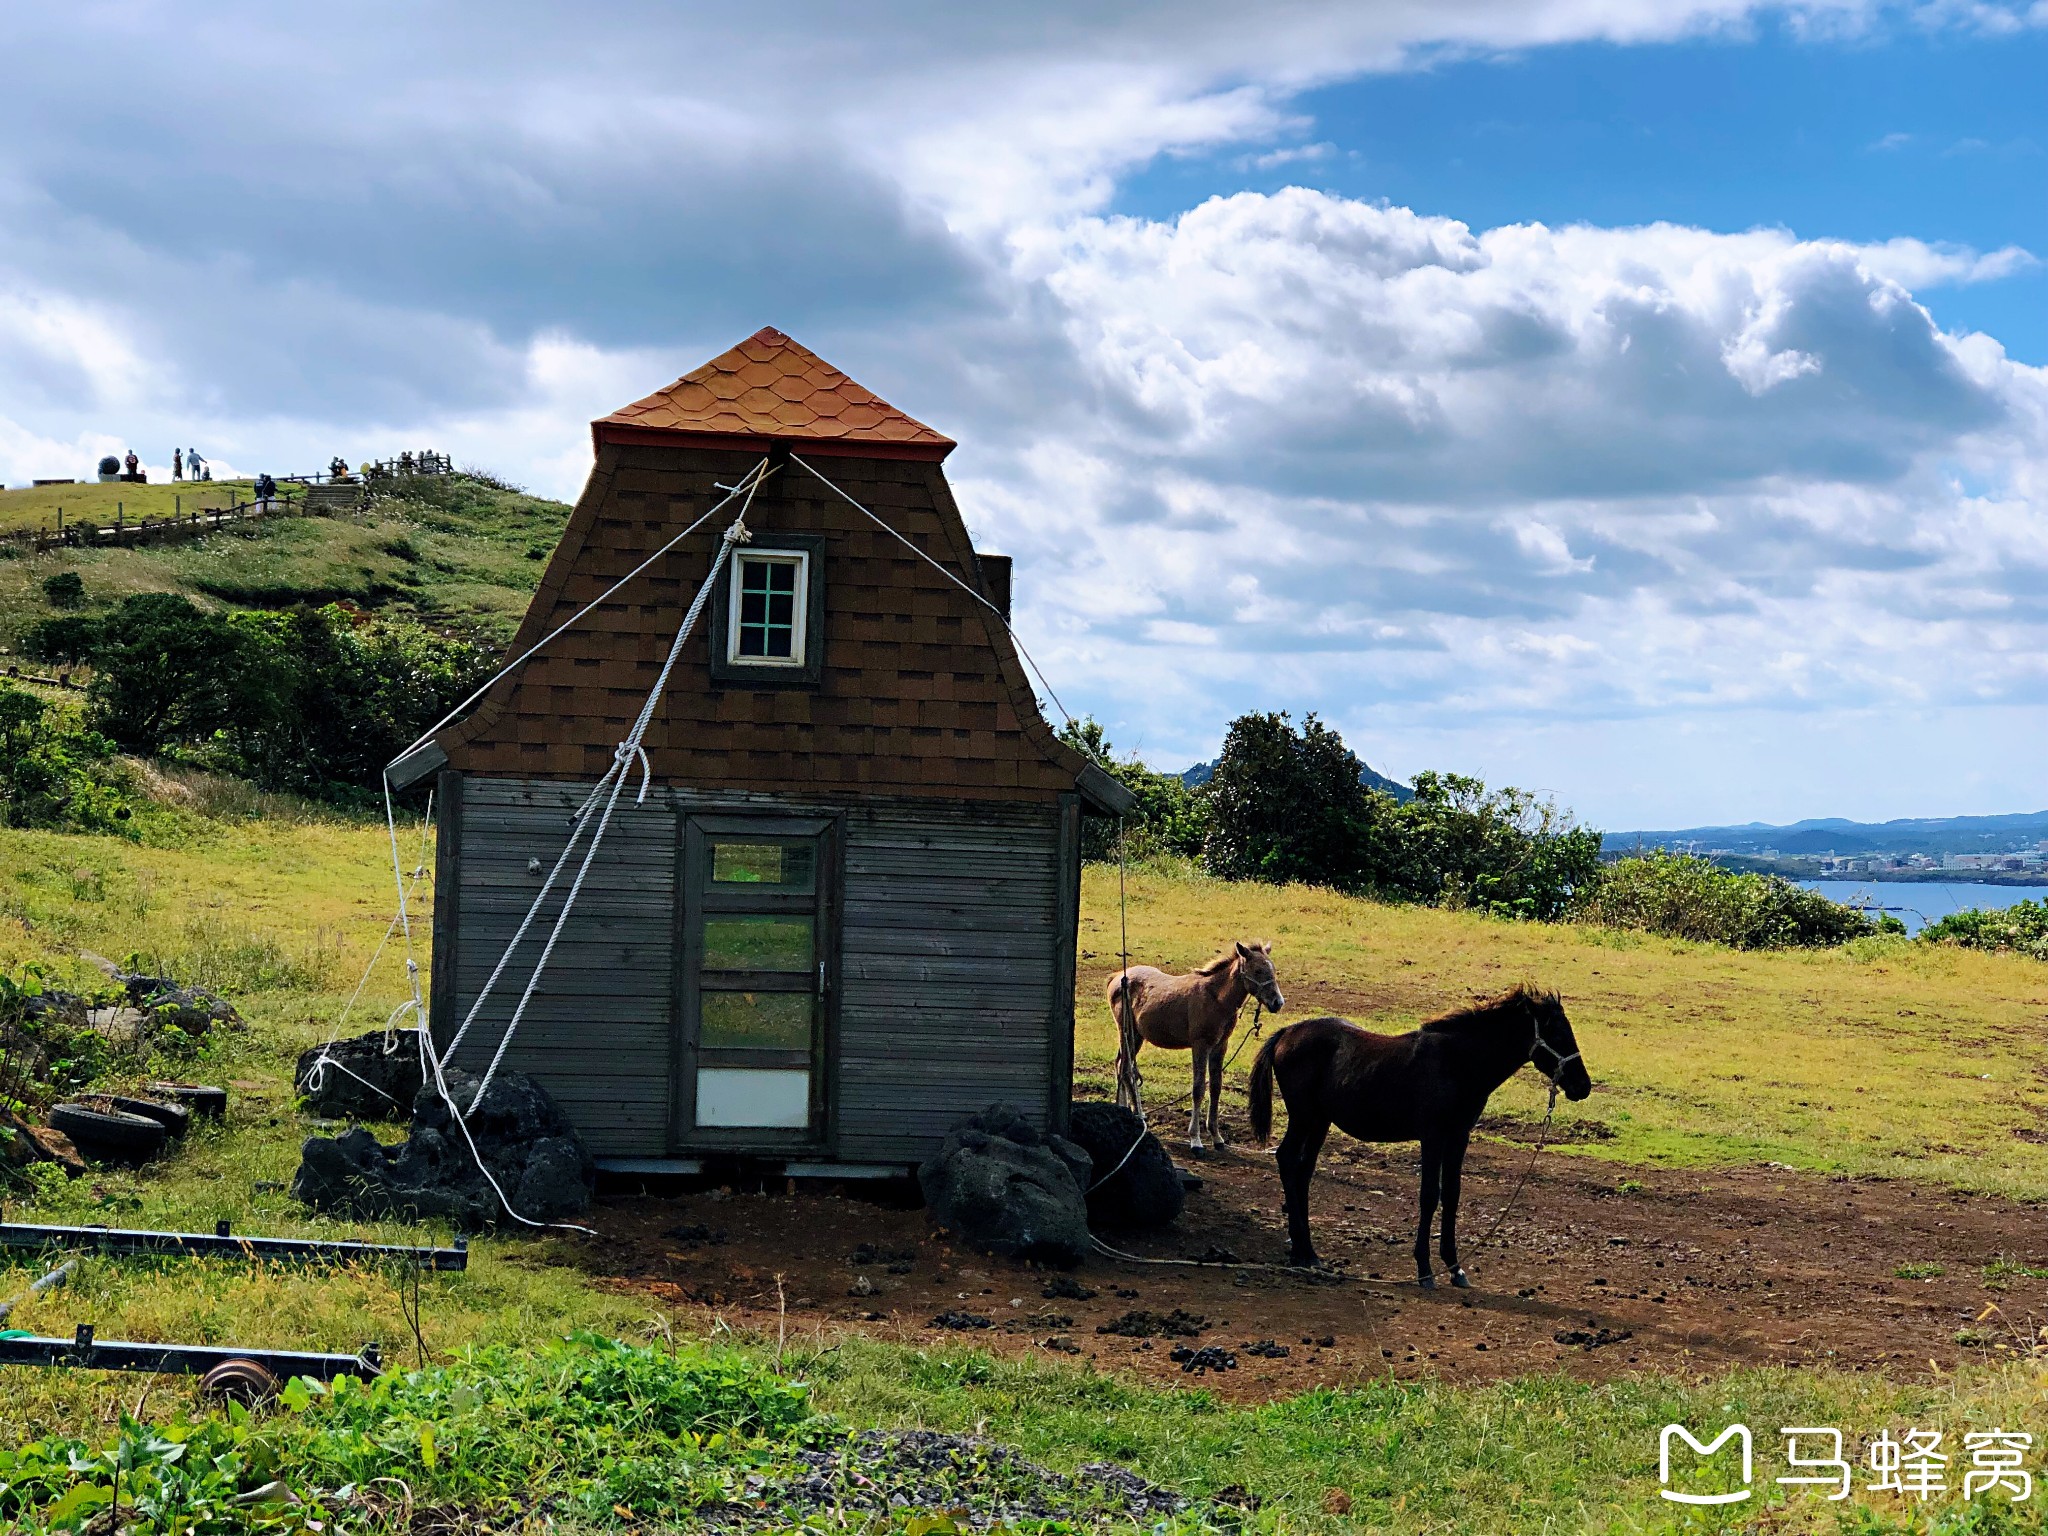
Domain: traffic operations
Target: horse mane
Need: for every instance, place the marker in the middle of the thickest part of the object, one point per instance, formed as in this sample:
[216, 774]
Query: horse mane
[1221, 963]
[1526, 993]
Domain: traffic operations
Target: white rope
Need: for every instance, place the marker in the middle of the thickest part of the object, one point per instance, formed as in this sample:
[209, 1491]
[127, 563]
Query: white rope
[316, 1076]
[1037, 670]
[759, 473]
[431, 1063]
[627, 751]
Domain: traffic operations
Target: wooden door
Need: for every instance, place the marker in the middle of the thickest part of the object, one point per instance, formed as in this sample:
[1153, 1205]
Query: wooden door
[758, 960]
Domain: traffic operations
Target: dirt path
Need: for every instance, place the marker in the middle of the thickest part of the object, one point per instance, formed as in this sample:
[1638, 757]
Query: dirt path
[1603, 1270]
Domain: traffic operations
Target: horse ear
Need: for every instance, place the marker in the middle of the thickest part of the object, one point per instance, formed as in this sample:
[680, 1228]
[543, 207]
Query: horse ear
[1266, 945]
[1239, 945]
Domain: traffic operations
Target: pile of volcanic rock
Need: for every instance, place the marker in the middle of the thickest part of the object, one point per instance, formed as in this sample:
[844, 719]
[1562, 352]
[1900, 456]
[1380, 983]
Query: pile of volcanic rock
[1000, 1184]
[370, 1077]
[520, 1135]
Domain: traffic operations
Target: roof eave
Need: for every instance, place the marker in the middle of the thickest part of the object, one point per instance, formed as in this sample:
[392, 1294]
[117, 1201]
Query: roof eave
[628, 434]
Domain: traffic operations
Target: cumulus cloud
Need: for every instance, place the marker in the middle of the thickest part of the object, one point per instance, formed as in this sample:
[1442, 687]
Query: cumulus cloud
[1451, 486]
[1526, 472]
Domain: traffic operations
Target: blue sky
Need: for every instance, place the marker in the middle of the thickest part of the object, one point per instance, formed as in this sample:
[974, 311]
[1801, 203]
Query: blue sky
[1644, 401]
[1941, 135]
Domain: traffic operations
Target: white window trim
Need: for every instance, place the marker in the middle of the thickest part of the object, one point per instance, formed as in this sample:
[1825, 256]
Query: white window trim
[798, 638]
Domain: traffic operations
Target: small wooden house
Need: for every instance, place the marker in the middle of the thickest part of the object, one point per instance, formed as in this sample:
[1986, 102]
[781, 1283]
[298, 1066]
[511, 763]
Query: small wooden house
[845, 916]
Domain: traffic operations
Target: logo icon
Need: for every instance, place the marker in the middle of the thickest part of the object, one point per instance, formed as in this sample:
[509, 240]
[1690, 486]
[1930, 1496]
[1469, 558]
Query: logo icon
[1735, 1432]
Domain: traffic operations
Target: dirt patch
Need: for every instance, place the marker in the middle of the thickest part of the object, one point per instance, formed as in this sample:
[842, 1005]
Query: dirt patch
[1601, 1270]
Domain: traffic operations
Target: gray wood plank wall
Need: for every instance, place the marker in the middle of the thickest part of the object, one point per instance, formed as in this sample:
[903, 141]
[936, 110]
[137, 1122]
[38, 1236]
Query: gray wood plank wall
[950, 968]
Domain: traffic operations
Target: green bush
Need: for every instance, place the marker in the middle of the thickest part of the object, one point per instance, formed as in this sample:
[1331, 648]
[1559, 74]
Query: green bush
[66, 639]
[66, 589]
[54, 773]
[1687, 897]
[1288, 804]
[337, 696]
[164, 671]
[588, 1429]
[1169, 818]
[312, 702]
[2022, 927]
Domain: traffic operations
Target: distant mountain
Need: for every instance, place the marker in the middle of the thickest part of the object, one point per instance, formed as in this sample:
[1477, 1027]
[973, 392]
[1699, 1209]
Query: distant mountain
[1201, 773]
[1832, 835]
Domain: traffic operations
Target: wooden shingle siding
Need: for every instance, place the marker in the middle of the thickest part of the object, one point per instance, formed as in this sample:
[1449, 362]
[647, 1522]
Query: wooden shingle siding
[950, 990]
[920, 693]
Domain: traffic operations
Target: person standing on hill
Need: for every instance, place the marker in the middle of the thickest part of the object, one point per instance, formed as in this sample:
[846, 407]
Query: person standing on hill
[177, 463]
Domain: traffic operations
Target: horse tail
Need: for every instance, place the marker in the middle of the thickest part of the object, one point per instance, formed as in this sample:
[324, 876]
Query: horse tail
[1261, 1088]
[1115, 992]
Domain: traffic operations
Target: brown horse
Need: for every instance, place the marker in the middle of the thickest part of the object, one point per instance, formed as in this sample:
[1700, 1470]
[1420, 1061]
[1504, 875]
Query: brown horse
[1195, 1012]
[1430, 1085]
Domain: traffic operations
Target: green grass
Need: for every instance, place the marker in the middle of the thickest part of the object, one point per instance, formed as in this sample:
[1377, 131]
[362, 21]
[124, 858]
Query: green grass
[1882, 1058]
[456, 553]
[1704, 1055]
[37, 506]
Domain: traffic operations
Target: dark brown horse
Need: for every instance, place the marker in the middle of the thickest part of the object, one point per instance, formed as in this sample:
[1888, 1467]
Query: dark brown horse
[1430, 1086]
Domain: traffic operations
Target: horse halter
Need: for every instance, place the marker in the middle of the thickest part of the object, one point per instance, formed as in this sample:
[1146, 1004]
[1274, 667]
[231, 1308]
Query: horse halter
[1559, 1063]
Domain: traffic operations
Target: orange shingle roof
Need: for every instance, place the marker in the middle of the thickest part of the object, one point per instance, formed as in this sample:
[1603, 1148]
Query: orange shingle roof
[771, 387]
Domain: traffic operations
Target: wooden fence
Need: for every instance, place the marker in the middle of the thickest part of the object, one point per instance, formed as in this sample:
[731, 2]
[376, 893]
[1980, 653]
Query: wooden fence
[150, 530]
[296, 495]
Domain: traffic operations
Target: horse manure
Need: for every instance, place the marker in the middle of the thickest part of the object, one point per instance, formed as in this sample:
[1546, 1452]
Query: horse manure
[1140, 1324]
[1066, 1288]
[1215, 1254]
[960, 1321]
[867, 1255]
[1592, 1339]
[1328, 1341]
[1201, 1361]
[1267, 1349]
[1127, 1295]
[695, 1234]
[1038, 1322]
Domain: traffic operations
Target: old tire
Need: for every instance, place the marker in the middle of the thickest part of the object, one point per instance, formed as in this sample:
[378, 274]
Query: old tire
[205, 1102]
[104, 1135]
[240, 1381]
[176, 1119]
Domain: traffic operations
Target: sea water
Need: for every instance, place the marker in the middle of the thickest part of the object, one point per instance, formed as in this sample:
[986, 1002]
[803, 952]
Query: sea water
[1916, 903]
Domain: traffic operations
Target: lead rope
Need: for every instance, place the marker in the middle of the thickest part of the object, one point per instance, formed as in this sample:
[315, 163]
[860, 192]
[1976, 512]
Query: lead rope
[1542, 1136]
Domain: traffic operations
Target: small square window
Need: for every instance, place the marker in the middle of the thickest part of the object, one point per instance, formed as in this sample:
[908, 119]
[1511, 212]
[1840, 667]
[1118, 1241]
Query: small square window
[769, 599]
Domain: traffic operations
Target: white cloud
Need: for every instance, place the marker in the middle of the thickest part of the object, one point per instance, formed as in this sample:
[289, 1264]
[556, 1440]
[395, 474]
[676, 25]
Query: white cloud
[1453, 487]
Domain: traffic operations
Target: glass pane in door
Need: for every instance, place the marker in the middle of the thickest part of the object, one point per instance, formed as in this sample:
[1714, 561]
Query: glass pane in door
[757, 941]
[758, 1021]
[744, 1096]
[782, 865]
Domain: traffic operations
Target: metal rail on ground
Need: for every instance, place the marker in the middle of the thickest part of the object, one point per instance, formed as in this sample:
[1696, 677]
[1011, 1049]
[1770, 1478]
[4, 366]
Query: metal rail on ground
[222, 1243]
[84, 1352]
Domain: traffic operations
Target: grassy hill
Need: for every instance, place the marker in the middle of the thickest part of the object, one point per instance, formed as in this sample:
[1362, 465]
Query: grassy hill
[460, 553]
[1705, 1055]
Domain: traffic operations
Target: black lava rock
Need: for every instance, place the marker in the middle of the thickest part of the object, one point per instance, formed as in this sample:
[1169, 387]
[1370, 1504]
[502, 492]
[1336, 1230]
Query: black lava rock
[1145, 1191]
[520, 1133]
[1001, 1185]
[361, 1081]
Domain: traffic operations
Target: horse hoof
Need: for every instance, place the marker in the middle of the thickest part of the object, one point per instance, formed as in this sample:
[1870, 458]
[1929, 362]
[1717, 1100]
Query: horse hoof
[1301, 1261]
[1458, 1279]
[1427, 1282]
